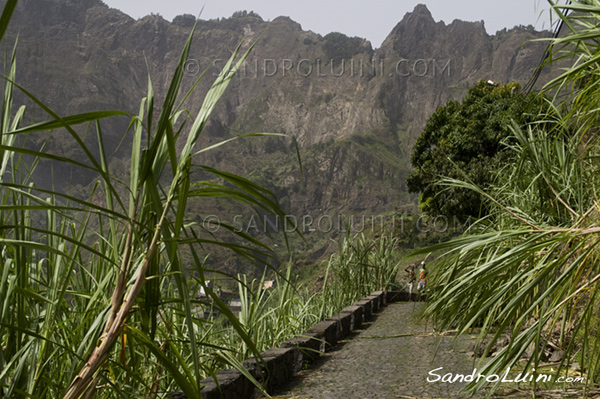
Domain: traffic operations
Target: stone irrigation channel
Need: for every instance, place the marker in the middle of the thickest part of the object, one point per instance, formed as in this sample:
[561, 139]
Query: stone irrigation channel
[377, 348]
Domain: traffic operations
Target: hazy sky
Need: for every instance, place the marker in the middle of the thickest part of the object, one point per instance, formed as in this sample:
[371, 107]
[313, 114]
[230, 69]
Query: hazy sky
[372, 20]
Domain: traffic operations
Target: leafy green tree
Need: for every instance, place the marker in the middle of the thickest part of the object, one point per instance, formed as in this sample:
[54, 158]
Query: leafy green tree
[531, 273]
[465, 141]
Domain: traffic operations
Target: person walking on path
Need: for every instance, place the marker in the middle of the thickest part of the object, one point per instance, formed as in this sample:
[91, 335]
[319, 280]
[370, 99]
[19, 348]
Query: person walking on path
[411, 279]
[422, 278]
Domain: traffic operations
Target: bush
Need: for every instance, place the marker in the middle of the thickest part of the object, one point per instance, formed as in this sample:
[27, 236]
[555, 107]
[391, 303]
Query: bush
[338, 47]
[468, 140]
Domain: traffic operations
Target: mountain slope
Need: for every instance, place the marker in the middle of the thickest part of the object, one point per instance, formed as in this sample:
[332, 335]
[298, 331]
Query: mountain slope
[355, 111]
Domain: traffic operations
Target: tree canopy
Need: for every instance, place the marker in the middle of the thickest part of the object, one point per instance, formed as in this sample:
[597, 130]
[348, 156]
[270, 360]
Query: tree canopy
[466, 141]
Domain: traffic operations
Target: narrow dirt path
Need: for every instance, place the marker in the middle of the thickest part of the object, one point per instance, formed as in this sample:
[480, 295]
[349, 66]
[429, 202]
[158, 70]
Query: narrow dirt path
[390, 357]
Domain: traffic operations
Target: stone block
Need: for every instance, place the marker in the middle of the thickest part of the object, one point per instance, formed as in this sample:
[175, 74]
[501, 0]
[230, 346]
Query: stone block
[275, 369]
[366, 305]
[231, 384]
[307, 348]
[396, 296]
[381, 296]
[328, 330]
[375, 303]
[344, 324]
[357, 316]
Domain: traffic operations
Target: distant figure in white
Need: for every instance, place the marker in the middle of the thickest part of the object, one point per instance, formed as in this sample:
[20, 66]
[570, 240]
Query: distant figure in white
[411, 279]
[209, 285]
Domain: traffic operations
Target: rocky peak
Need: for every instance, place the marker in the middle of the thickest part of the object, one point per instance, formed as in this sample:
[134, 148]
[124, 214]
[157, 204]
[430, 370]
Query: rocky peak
[474, 27]
[284, 20]
[419, 17]
[421, 10]
[416, 26]
[184, 21]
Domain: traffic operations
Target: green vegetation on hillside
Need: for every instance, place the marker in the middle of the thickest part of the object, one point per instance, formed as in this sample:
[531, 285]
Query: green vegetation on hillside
[107, 295]
[468, 140]
[338, 47]
[530, 270]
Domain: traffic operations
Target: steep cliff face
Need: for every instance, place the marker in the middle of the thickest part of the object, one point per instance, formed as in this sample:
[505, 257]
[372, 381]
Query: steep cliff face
[354, 110]
[438, 62]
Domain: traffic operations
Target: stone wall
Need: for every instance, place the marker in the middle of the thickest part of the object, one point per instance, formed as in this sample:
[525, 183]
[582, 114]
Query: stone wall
[279, 365]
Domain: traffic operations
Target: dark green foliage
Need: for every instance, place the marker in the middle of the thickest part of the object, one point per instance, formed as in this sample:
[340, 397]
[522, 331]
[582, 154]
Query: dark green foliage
[308, 41]
[184, 20]
[339, 47]
[467, 141]
[244, 13]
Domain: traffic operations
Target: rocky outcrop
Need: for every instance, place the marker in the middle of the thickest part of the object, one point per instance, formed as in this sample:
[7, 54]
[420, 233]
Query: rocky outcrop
[439, 62]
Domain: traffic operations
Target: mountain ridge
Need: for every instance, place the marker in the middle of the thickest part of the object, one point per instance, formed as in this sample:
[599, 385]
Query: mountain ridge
[355, 111]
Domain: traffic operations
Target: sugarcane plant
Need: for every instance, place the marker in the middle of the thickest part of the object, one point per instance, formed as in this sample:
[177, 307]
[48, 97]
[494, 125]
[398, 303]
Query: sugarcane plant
[530, 270]
[95, 298]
